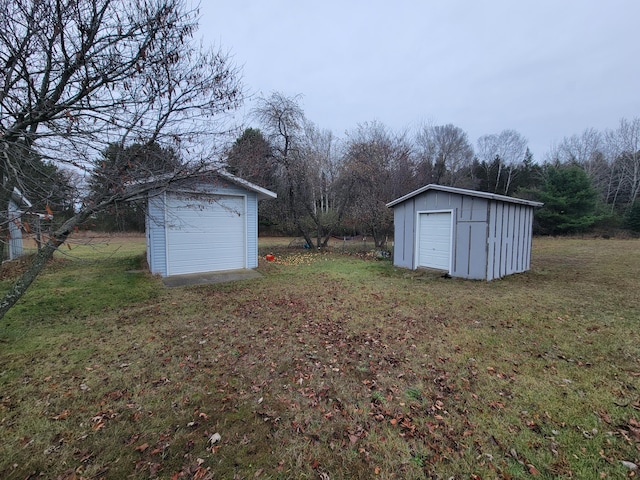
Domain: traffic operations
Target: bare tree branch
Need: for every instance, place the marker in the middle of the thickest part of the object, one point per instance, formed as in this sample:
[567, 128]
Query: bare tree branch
[81, 75]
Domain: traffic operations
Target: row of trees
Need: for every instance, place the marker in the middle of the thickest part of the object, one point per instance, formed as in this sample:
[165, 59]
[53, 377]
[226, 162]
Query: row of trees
[327, 187]
[330, 187]
[611, 159]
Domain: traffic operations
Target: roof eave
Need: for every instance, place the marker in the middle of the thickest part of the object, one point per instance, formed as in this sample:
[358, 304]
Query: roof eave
[19, 199]
[165, 181]
[462, 191]
[263, 193]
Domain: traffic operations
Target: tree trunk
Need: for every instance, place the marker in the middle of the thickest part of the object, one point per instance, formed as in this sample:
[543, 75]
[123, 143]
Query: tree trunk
[507, 186]
[40, 261]
[306, 236]
[499, 174]
[380, 240]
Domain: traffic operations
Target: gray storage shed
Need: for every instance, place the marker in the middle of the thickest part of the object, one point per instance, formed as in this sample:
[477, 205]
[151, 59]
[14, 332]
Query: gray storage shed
[468, 234]
[18, 204]
[204, 224]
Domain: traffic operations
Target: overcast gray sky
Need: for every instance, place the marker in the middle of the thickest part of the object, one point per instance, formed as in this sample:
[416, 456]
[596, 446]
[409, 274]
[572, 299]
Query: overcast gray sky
[546, 68]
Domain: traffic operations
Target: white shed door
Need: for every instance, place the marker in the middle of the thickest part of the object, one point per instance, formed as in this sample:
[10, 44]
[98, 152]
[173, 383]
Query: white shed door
[205, 233]
[434, 242]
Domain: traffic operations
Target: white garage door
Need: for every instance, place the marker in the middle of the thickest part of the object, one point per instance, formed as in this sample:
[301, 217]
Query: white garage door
[205, 233]
[434, 242]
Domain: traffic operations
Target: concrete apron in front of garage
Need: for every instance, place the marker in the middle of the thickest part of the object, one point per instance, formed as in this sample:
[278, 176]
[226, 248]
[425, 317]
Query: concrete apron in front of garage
[210, 277]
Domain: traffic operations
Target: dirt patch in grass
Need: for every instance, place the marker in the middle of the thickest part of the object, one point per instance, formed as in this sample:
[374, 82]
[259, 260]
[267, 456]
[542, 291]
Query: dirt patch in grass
[336, 366]
[12, 269]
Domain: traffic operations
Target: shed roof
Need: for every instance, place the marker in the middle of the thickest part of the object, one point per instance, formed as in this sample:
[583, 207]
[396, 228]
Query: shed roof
[19, 199]
[463, 191]
[263, 193]
[166, 181]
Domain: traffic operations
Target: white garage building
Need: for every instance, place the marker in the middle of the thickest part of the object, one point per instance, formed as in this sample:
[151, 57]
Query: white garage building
[204, 224]
[468, 234]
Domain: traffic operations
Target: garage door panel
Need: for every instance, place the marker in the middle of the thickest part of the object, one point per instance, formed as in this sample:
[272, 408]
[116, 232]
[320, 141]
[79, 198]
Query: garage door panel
[207, 234]
[434, 242]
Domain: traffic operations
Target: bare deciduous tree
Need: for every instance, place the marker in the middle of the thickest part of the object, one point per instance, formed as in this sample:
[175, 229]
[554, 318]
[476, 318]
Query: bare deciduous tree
[283, 121]
[508, 148]
[624, 151]
[328, 194]
[377, 160]
[447, 151]
[80, 75]
[582, 149]
[309, 194]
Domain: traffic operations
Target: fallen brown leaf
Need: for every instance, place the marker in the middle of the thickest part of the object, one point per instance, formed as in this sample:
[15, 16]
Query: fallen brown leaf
[604, 416]
[142, 448]
[62, 415]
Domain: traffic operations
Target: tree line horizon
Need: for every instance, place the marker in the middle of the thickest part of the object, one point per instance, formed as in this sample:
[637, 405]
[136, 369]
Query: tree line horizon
[328, 186]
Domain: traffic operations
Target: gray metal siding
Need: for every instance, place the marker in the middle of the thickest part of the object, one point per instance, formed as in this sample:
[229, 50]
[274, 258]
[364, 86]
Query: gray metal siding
[156, 235]
[15, 232]
[492, 238]
[527, 237]
[470, 251]
[433, 200]
[252, 229]
[494, 259]
[470, 245]
[404, 234]
[510, 235]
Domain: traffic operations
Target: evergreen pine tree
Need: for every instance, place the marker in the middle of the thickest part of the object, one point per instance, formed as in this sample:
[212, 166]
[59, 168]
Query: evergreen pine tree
[569, 201]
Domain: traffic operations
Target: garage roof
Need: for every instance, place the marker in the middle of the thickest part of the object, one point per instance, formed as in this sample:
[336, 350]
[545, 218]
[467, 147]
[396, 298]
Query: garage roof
[263, 193]
[463, 191]
[167, 180]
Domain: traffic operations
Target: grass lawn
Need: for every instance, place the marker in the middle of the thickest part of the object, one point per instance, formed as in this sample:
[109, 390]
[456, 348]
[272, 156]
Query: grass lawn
[332, 365]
